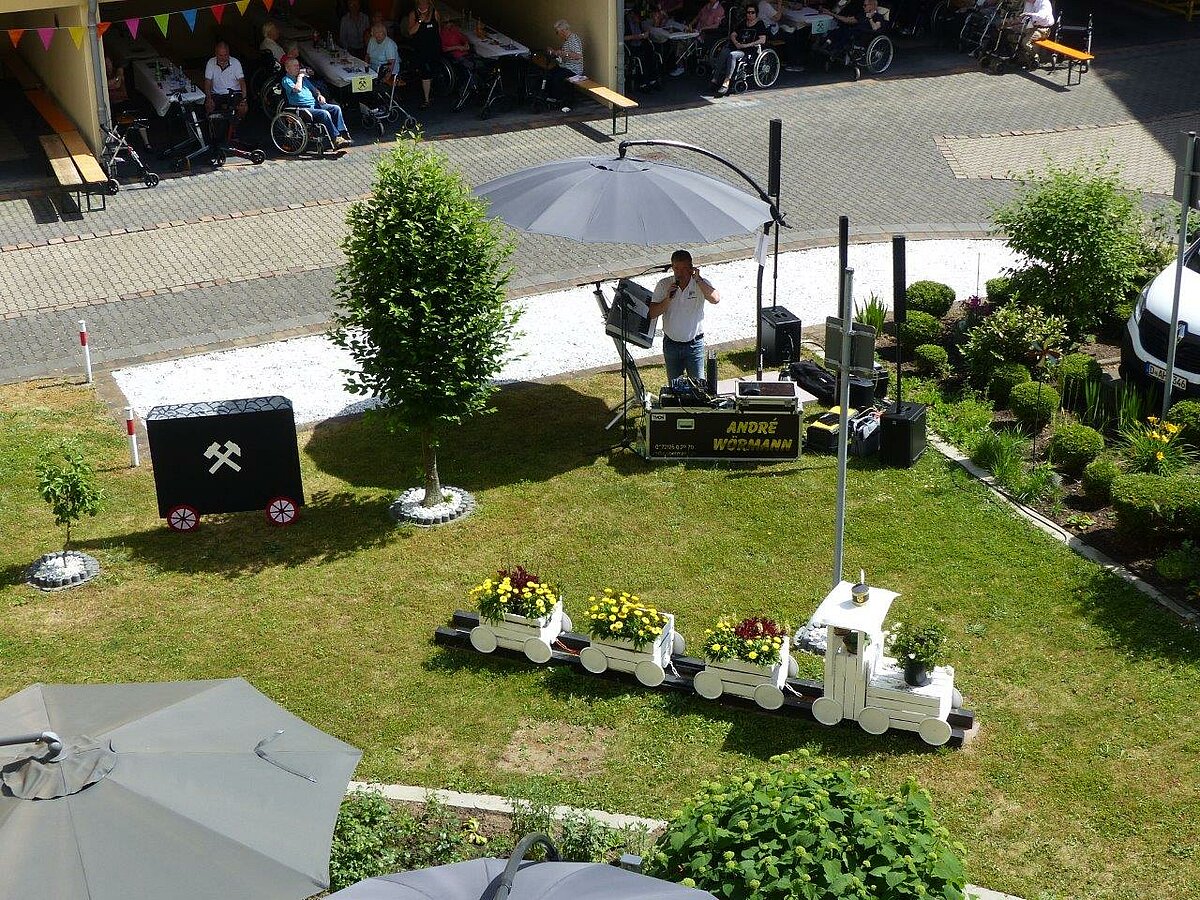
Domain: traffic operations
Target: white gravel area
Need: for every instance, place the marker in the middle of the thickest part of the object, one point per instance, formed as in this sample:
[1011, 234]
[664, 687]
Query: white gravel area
[562, 331]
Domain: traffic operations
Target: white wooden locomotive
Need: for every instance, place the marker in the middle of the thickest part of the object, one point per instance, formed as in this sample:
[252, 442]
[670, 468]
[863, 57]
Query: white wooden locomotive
[865, 685]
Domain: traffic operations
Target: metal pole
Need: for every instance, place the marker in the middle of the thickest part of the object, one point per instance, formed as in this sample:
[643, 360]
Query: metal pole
[758, 297]
[87, 350]
[899, 307]
[847, 283]
[131, 430]
[1185, 200]
[774, 188]
[99, 73]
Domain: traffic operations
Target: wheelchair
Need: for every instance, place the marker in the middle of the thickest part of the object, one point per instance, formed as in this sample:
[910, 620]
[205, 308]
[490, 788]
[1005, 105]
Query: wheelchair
[386, 108]
[1009, 44]
[760, 66]
[873, 56]
[293, 128]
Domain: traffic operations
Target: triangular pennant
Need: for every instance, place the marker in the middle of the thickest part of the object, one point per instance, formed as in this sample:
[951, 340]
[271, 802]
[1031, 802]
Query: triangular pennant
[189, 16]
[102, 27]
[14, 35]
[291, 2]
[163, 21]
[77, 35]
[132, 25]
[241, 5]
[218, 11]
[268, 4]
[47, 35]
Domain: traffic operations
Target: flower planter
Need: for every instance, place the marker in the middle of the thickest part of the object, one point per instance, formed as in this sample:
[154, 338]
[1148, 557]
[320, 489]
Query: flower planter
[916, 674]
[648, 664]
[531, 636]
[762, 684]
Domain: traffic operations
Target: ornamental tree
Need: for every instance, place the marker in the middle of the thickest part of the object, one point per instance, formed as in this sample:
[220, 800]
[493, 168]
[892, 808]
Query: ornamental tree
[422, 299]
[68, 484]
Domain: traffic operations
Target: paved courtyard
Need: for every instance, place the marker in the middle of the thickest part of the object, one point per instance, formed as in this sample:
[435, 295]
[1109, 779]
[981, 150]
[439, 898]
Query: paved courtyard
[248, 252]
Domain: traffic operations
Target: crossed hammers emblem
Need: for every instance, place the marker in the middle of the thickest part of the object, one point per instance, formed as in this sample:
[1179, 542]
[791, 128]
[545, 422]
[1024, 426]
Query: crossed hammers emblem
[223, 457]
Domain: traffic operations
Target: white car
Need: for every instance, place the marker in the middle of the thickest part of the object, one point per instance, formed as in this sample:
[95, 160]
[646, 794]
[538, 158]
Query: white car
[1145, 342]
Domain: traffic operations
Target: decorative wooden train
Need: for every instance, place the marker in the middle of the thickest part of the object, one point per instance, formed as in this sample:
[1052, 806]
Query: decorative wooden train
[861, 684]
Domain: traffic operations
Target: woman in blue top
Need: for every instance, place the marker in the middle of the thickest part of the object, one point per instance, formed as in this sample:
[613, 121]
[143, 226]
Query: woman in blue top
[298, 93]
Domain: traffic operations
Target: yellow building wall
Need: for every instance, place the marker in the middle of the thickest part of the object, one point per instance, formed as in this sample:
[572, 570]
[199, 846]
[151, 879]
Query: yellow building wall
[531, 23]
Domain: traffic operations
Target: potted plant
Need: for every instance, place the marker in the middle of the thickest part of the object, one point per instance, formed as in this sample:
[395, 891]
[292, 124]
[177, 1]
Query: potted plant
[628, 636]
[520, 611]
[746, 658]
[918, 647]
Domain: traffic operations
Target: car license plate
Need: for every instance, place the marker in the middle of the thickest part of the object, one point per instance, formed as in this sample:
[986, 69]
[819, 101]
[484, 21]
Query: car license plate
[360, 84]
[1160, 374]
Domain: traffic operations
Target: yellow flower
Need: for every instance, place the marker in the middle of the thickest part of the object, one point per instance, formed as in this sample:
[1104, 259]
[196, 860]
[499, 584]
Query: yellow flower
[616, 626]
[752, 654]
[1152, 419]
[1159, 456]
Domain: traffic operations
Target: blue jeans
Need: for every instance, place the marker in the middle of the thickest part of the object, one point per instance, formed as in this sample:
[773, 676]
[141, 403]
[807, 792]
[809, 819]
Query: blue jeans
[330, 115]
[687, 356]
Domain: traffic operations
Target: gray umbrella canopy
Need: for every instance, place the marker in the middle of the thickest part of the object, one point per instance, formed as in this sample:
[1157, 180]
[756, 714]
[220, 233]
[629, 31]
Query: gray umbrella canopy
[610, 200]
[478, 879]
[187, 790]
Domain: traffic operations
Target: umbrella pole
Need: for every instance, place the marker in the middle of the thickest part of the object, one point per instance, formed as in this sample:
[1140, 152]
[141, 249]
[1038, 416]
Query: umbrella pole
[52, 741]
[758, 303]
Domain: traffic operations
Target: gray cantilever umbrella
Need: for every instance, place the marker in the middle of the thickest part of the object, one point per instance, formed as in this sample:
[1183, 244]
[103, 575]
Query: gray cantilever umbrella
[623, 200]
[520, 879]
[187, 790]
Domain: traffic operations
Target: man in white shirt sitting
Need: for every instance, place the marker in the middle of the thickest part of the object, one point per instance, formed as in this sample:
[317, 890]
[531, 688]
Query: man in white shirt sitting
[223, 77]
[679, 299]
[1037, 18]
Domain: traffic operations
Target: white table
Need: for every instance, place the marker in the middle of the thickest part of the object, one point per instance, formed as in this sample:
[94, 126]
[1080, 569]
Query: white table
[160, 82]
[672, 31]
[338, 68]
[817, 23]
[493, 44]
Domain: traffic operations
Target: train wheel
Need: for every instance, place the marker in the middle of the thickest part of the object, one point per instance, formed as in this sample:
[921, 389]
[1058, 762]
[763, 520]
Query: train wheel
[874, 720]
[282, 511]
[538, 651]
[708, 685]
[827, 711]
[593, 659]
[768, 696]
[649, 673]
[182, 518]
[483, 639]
[934, 731]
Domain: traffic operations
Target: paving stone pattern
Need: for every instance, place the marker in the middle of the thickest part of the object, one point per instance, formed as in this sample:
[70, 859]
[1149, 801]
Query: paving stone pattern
[875, 151]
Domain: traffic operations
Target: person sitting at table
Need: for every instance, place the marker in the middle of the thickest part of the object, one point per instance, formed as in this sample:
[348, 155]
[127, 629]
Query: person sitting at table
[353, 28]
[298, 93]
[568, 62]
[637, 43]
[224, 78]
[668, 50]
[744, 36]
[425, 34]
[770, 15]
[857, 26]
[384, 55]
[118, 92]
[270, 42]
[456, 48]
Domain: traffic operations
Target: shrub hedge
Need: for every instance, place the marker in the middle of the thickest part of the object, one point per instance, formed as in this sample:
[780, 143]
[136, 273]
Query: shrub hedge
[1074, 446]
[931, 297]
[998, 290]
[1034, 404]
[920, 328]
[1154, 503]
[1098, 477]
[1186, 414]
[1003, 379]
[932, 360]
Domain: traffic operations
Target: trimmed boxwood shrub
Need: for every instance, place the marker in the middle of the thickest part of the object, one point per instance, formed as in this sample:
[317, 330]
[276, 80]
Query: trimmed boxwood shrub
[1148, 503]
[931, 297]
[1073, 446]
[919, 328]
[1077, 368]
[1004, 378]
[1098, 477]
[1034, 404]
[1186, 414]
[998, 290]
[806, 829]
[932, 360]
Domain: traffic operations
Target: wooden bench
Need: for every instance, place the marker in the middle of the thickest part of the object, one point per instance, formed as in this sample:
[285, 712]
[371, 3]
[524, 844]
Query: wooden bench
[50, 111]
[620, 105]
[74, 167]
[1078, 61]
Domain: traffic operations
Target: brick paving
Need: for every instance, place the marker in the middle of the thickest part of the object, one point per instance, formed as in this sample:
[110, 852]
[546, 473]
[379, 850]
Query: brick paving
[248, 251]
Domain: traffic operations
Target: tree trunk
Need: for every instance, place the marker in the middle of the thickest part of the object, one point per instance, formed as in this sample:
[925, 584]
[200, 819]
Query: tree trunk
[67, 543]
[433, 484]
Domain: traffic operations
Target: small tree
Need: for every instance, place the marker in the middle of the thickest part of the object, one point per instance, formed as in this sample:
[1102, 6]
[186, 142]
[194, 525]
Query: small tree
[422, 296]
[1087, 238]
[68, 484]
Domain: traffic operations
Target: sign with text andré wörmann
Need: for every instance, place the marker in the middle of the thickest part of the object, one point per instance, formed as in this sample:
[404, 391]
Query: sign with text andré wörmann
[686, 433]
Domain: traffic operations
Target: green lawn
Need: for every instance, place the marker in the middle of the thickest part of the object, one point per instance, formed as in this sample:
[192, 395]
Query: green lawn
[1082, 784]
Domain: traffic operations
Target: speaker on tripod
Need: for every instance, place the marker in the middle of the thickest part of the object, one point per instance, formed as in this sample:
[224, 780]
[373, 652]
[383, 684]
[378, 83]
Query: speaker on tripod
[781, 331]
[902, 426]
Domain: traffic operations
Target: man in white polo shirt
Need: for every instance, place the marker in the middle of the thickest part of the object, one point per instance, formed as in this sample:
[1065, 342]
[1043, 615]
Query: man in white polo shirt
[223, 74]
[679, 299]
[1034, 24]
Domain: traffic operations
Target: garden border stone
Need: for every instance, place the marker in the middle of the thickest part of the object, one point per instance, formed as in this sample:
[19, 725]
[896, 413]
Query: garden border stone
[54, 572]
[407, 508]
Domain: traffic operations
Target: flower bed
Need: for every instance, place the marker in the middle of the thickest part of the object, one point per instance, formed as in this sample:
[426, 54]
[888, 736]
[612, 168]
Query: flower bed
[628, 636]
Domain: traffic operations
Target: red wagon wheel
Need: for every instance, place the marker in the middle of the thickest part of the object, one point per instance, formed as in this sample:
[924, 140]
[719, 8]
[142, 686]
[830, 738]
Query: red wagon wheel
[282, 511]
[182, 517]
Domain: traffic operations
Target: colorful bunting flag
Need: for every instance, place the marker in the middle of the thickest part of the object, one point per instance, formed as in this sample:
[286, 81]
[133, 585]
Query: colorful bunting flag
[132, 25]
[268, 4]
[47, 35]
[163, 21]
[101, 28]
[189, 16]
[77, 35]
[218, 11]
[14, 35]
[241, 5]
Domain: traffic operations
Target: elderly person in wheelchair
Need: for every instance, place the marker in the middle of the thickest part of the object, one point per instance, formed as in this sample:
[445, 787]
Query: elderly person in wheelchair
[745, 39]
[861, 39]
[310, 102]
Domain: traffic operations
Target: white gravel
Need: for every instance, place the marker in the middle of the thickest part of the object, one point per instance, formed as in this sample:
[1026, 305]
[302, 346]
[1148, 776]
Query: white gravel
[562, 331]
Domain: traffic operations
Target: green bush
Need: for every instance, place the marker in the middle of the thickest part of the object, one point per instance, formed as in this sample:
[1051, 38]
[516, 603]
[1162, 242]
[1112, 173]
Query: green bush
[931, 297]
[1186, 414]
[963, 421]
[1011, 334]
[1034, 404]
[1086, 236]
[1181, 563]
[366, 839]
[1098, 477]
[1074, 446]
[932, 360]
[804, 829]
[919, 328]
[1155, 503]
[873, 313]
[1074, 371]
[1000, 451]
[1003, 379]
[1155, 447]
[998, 291]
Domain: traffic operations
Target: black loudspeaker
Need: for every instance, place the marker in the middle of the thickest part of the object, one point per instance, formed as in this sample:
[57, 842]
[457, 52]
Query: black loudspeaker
[899, 280]
[862, 392]
[902, 435]
[781, 336]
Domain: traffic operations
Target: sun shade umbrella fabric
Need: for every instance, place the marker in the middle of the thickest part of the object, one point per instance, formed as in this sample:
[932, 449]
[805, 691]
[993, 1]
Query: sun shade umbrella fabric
[609, 200]
[477, 880]
[191, 790]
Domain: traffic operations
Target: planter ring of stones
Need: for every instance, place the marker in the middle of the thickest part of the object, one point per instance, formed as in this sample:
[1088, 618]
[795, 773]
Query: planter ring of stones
[407, 507]
[58, 571]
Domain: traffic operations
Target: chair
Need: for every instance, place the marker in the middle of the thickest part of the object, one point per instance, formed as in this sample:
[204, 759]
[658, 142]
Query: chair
[873, 54]
[293, 128]
[760, 65]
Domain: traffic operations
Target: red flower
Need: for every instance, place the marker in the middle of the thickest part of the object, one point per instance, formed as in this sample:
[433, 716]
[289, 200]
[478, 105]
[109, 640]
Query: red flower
[518, 577]
[758, 628]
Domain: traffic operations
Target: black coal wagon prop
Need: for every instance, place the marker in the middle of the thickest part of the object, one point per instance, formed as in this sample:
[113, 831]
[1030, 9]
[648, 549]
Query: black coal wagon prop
[225, 456]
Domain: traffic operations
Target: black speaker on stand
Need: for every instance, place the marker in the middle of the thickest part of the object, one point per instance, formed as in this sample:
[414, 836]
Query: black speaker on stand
[902, 427]
[781, 331]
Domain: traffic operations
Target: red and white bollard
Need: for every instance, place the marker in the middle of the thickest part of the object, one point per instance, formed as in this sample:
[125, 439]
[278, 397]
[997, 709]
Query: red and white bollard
[135, 459]
[87, 351]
